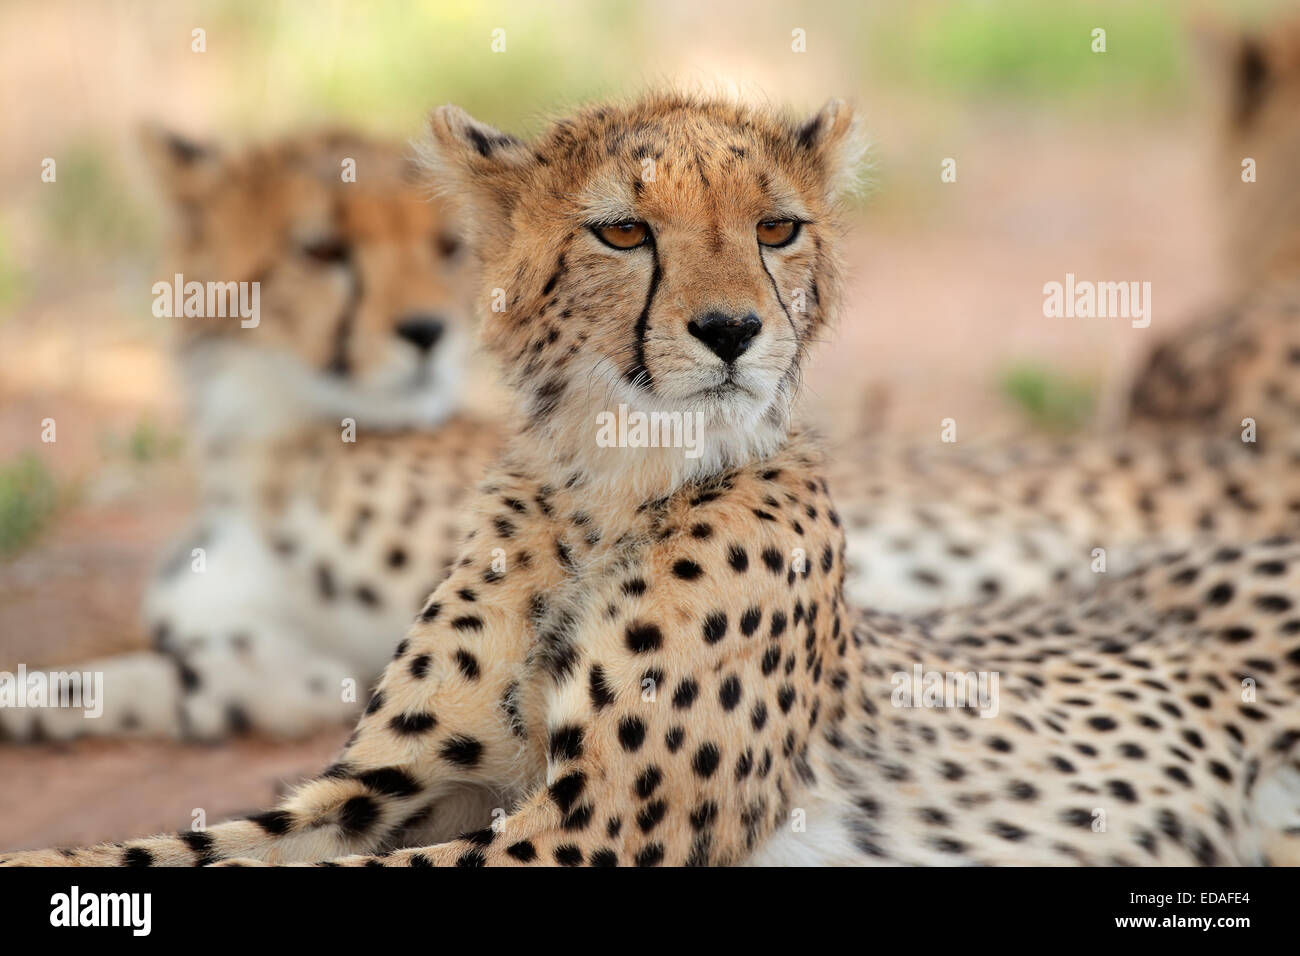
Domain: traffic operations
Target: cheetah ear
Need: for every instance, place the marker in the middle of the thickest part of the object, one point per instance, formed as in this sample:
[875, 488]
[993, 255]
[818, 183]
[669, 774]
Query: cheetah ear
[1252, 79]
[184, 168]
[1239, 67]
[479, 168]
[835, 135]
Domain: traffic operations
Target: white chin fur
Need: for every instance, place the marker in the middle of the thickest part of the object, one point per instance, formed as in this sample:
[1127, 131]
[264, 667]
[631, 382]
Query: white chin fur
[745, 425]
[242, 393]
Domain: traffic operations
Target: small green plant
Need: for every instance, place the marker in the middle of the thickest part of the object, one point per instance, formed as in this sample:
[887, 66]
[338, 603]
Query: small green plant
[1050, 400]
[90, 210]
[11, 275]
[144, 444]
[28, 498]
[147, 442]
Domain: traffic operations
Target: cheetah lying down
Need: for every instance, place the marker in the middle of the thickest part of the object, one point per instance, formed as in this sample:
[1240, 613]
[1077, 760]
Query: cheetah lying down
[665, 669]
[328, 439]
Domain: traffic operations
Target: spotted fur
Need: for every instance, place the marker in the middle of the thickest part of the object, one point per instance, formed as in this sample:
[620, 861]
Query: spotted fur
[664, 670]
[274, 612]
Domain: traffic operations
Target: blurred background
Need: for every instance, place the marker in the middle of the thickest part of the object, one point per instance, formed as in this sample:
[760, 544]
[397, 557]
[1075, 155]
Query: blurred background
[1100, 164]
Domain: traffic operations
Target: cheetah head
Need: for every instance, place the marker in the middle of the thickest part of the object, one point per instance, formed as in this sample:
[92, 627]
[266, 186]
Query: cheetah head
[675, 257]
[364, 284]
[1255, 79]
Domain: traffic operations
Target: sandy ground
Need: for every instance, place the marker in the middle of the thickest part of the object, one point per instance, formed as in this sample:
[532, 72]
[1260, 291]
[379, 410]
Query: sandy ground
[946, 287]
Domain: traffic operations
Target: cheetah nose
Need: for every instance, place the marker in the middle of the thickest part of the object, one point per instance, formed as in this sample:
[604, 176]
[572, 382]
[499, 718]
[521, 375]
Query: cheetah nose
[727, 336]
[422, 331]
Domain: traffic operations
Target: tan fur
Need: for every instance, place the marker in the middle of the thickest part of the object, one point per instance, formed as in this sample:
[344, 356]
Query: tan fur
[532, 681]
[254, 214]
[664, 670]
[1256, 80]
[316, 550]
[1240, 361]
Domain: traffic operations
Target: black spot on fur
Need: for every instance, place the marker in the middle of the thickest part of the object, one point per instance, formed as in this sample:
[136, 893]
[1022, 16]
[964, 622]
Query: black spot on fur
[566, 790]
[568, 854]
[137, 856]
[523, 851]
[598, 688]
[706, 761]
[468, 664]
[462, 750]
[566, 743]
[686, 569]
[358, 814]
[412, 724]
[200, 843]
[737, 558]
[631, 733]
[643, 638]
[729, 693]
[390, 781]
[274, 822]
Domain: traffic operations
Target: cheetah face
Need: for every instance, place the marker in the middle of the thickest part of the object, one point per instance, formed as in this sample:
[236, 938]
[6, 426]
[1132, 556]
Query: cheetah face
[672, 256]
[364, 283]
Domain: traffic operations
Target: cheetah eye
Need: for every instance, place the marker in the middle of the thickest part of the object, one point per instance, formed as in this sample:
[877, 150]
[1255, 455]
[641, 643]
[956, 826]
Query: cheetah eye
[623, 235]
[777, 232]
[446, 245]
[330, 252]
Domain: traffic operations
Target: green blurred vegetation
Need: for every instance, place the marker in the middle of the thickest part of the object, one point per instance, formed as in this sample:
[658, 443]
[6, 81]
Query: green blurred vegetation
[1033, 50]
[13, 283]
[90, 209]
[28, 498]
[145, 443]
[385, 65]
[1051, 400]
[1041, 50]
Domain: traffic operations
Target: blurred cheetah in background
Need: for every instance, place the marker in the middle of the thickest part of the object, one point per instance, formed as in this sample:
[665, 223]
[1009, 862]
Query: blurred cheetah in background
[315, 543]
[667, 672]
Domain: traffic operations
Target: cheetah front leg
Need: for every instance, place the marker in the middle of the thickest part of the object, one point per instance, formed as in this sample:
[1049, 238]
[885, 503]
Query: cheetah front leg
[441, 730]
[227, 656]
[131, 694]
[267, 682]
[681, 697]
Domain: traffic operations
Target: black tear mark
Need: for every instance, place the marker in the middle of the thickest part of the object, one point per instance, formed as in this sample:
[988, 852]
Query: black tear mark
[340, 363]
[1253, 81]
[777, 293]
[638, 375]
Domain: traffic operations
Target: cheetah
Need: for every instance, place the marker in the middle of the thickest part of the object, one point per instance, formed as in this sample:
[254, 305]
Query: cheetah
[665, 671]
[1240, 361]
[1203, 450]
[330, 445]
[1256, 85]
